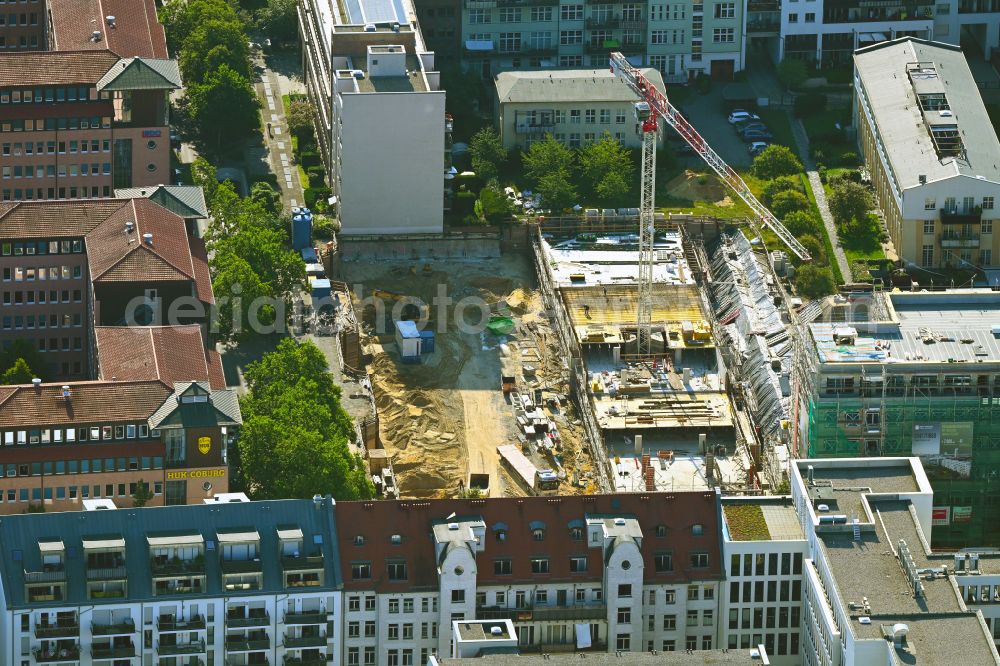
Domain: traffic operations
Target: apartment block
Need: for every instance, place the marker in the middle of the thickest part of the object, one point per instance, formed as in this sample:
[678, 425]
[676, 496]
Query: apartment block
[380, 115]
[576, 106]
[231, 582]
[600, 573]
[932, 152]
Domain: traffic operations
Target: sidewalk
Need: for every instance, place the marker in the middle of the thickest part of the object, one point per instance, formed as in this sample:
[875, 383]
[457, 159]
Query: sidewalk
[279, 146]
[802, 142]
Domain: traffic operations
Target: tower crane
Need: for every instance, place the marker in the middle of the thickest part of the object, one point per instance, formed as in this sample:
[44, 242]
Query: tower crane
[649, 110]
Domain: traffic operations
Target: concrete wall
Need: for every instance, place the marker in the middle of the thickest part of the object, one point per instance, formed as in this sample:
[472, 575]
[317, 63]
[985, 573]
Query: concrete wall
[572, 133]
[390, 176]
[431, 248]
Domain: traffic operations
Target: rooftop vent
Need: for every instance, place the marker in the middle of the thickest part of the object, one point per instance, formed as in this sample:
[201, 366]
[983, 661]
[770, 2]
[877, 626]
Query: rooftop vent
[112, 23]
[453, 526]
[922, 178]
[36, 382]
[370, 27]
[95, 36]
[65, 391]
[496, 631]
[129, 227]
[147, 239]
[899, 632]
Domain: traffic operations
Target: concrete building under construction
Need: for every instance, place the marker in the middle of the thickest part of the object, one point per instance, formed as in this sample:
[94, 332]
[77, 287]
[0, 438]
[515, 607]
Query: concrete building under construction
[914, 373]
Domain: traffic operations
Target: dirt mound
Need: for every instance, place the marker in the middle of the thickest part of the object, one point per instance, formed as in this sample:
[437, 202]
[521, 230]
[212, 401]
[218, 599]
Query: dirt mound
[695, 186]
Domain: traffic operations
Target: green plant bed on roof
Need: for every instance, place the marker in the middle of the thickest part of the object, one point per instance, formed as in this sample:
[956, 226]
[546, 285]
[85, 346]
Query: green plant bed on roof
[746, 522]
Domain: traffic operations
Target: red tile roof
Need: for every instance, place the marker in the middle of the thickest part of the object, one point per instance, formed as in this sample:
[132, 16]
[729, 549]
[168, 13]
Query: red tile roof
[55, 219]
[137, 33]
[53, 68]
[117, 255]
[89, 402]
[167, 353]
[202, 276]
[412, 520]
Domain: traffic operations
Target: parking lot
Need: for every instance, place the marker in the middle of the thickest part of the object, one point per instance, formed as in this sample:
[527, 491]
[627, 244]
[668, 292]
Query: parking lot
[708, 114]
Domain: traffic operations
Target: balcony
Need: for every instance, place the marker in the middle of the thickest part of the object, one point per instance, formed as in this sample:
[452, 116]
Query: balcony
[241, 661]
[51, 573]
[177, 567]
[305, 618]
[106, 573]
[534, 50]
[126, 626]
[58, 630]
[960, 240]
[764, 6]
[305, 641]
[247, 645]
[540, 613]
[292, 661]
[602, 47]
[113, 651]
[609, 23]
[972, 215]
[171, 623]
[190, 647]
[241, 566]
[252, 621]
[53, 656]
[302, 563]
[534, 128]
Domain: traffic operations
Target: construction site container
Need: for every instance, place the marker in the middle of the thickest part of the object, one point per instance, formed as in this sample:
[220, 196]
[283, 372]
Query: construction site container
[408, 341]
[320, 289]
[426, 342]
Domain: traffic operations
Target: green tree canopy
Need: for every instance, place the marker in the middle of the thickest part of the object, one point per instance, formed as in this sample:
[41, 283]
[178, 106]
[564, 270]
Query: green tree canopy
[224, 108]
[606, 168]
[278, 19]
[300, 117]
[493, 205]
[780, 184]
[24, 350]
[814, 281]
[487, 153]
[180, 19]
[815, 248]
[264, 194]
[788, 202]
[211, 45]
[19, 373]
[142, 494]
[295, 434]
[238, 288]
[557, 189]
[801, 222]
[849, 202]
[775, 161]
[546, 157]
[792, 72]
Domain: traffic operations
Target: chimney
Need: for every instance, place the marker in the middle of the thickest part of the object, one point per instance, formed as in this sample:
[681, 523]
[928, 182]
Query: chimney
[147, 239]
[811, 474]
[65, 391]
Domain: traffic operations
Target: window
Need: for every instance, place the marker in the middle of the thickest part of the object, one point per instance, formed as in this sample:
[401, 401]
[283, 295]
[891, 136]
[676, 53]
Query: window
[697, 529]
[624, 590]
[578, 564]
[369, 656]
[369, 629]
[625, 615]
[458, 596]
[397, 570]
[538, 534]
[620, 120]
[479, 16]
[541, 14]
[353, 629]
[510, 14]
[810, 17]
[669, 622]
[663, 562]
[725, 10]
[928, 226]
[590, 116]
[576, 533]
[353, 656]
[723, 35]
[669, 596]
[361, 570]
[987, 203]
[502, 567]
[541, 596]
[986, 257]
[699, 560]
[510, 42]
[986, 227]
[693, 593]
[708, 593]
[394, 606]
[793, 18]
[571, 12]
[539, 565]
[623, 642]
[692, 618]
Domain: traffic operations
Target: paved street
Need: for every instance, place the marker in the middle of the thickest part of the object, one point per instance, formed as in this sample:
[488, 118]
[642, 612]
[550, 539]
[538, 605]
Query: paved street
[277, 142]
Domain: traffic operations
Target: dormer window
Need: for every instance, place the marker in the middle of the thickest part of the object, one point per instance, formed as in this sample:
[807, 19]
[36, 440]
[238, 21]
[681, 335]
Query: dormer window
[359, 540]
[697, 529]
[537, 530]
[500, 531]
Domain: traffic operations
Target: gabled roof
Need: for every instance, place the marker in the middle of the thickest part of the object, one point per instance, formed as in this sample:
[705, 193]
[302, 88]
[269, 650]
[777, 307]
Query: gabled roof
[89, 402]
[54, 68]
[414, 522]
[54, 219]
[22, 533]
[222, 408]
[142, 74]
[202, 276]
[167, 353]
[116, 254]
[136, 32]
[188, 201]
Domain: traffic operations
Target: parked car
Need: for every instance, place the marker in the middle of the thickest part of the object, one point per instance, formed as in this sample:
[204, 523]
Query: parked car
[757, 147]
[754, 126]
[757, 135]
[739, 116]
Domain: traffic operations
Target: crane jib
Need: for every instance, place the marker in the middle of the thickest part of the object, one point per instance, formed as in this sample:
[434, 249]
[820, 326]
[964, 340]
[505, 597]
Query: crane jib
[659, 106]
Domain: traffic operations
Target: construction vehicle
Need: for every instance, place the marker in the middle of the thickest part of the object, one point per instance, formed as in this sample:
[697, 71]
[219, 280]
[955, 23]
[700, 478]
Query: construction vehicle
[648, 111]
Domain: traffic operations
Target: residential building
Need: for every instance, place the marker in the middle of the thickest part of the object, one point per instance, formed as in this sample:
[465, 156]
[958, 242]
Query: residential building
[187, 201]
[576, 106]
[70, 265]
[84, 98]
[380, 115]
[679, 39]
[721, 657]
[931, 150]
[237, 582]
[66, 443]
[912, 373]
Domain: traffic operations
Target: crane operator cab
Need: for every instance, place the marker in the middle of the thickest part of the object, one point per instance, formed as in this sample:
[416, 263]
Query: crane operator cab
[642, 111]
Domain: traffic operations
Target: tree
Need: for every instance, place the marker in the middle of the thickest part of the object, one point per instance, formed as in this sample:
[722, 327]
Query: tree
[546, 157]
[300, 118]
[788, 202]
[792, 72]
[557, 189]
[849, 202]
[238, 290]
[25, 350]
[606, 168]
[814, 281]
[774, 161]
[266, 196]
[142, 494]
[801, 222]
[18, 373]
[295, 434]
[493, 205]
[814, 246]
[205, 175]
[211, 45]
[487, 153]
[279, 20]
[780, 184]
[224, 108]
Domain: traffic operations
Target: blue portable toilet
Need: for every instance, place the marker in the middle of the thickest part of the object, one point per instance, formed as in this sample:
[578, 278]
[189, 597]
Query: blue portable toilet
[426, 342]
[301, 229]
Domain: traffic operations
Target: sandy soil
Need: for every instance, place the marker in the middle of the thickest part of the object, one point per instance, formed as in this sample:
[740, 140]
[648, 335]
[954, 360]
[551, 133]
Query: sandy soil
[689, 185]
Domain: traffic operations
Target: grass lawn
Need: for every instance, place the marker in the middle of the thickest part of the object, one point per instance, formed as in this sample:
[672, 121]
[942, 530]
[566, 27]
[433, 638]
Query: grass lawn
[821, 127]
[856, 248]
[825, 237]
[777, 121]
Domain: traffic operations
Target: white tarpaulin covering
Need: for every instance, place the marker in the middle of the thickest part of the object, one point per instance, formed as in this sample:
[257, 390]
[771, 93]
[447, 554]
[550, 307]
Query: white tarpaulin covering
[582, 636]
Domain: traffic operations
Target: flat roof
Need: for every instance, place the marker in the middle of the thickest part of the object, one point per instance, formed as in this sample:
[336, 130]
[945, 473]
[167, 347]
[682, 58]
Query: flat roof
[613, 259]
[695, 658]
[684, 471]
[761, 519]
[482, 630]
[883, 75]
[939, 327]
[847, 483]
[569, 85]
[360, 12]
